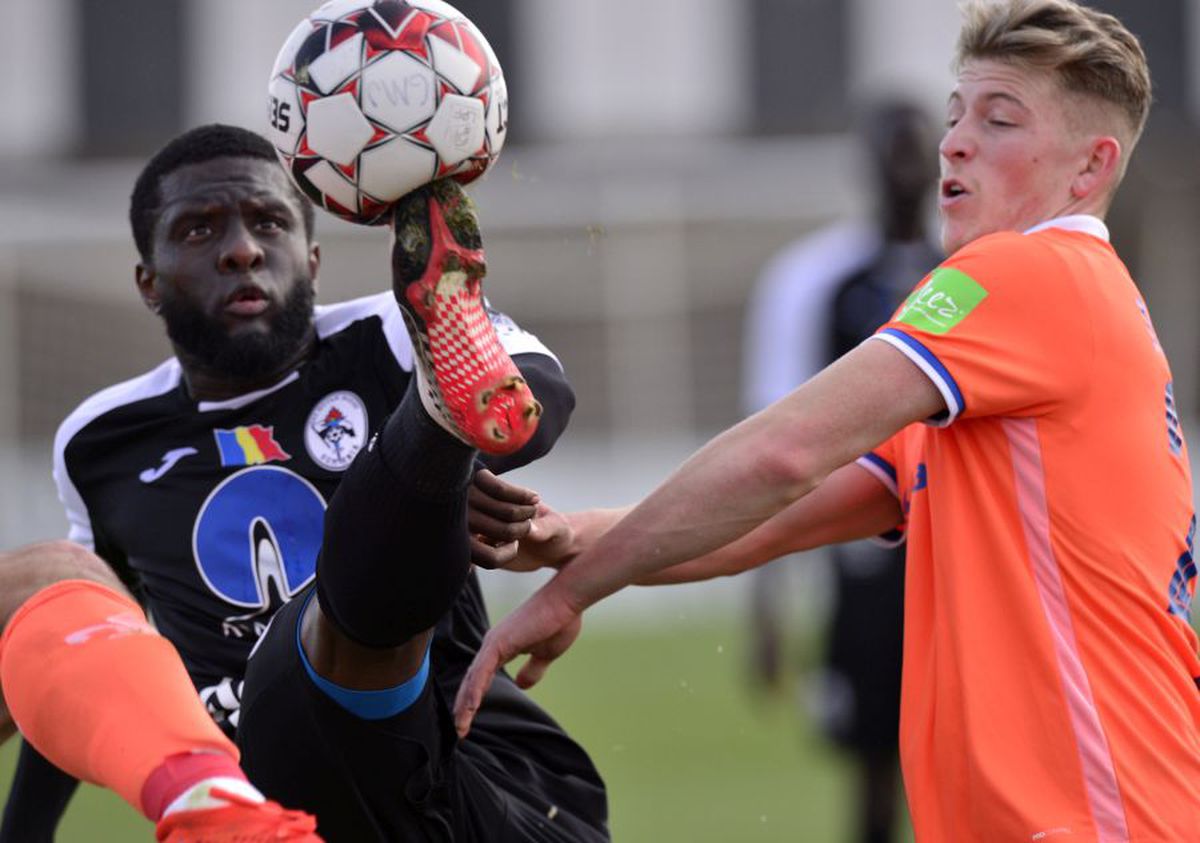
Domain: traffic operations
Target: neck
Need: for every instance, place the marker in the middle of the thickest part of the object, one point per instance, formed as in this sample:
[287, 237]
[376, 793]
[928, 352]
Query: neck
[205, 383]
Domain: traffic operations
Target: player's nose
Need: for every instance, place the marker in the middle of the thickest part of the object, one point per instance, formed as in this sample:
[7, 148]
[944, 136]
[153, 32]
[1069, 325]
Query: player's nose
[957, 142]
[240, 250]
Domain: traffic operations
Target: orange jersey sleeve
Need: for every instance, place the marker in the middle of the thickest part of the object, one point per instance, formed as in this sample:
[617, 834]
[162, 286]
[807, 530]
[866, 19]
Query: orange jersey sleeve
[896, 463]
[992, 336]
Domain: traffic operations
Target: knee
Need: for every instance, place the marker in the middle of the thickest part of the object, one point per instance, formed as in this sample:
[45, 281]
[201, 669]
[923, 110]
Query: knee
[65, 560]
[29, 569]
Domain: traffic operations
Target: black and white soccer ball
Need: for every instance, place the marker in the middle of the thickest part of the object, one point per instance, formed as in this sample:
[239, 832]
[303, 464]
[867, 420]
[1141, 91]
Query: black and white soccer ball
[370, 99]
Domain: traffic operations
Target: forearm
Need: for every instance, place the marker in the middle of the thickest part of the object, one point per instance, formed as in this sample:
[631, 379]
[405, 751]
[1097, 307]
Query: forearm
[709, 502]
[756, 469]
[850, 504]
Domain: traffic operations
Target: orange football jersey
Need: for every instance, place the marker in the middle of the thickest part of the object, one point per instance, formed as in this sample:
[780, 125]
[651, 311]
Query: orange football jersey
[1050, 672]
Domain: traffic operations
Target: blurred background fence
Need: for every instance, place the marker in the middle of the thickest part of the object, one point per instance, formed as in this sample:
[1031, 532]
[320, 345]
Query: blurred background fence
[660, 151]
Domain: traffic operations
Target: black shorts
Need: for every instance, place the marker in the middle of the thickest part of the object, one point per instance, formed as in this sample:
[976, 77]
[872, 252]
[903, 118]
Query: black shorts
[407, 777]
[861, 709]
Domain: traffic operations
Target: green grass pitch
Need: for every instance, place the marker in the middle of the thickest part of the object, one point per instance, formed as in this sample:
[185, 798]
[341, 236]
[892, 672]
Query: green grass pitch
[689, 754]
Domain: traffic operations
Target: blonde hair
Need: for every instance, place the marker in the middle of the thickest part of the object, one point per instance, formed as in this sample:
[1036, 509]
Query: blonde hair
[1089, 52]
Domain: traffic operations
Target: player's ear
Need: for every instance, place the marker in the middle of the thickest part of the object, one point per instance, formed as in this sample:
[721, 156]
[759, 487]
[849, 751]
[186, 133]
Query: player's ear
[1099, 168]
[143, 277]
[314, 263]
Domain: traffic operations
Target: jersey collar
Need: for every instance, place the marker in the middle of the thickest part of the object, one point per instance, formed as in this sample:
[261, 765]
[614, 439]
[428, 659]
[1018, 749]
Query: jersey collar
[1086, 223]
[248, 398]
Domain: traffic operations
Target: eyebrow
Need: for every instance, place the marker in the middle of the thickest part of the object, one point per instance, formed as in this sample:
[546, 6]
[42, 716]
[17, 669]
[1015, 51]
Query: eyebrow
[205, 206]
[955, 96]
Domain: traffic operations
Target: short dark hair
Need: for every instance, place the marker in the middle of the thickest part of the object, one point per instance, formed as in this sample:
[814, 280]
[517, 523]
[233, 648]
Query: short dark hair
[196, 146]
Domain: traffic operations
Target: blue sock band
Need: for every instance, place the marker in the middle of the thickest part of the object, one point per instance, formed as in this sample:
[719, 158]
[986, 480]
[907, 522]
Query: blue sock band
[367, 705]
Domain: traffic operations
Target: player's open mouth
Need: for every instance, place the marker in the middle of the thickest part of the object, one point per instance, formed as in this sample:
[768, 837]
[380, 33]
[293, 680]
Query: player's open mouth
[952, 190]
[247, 301]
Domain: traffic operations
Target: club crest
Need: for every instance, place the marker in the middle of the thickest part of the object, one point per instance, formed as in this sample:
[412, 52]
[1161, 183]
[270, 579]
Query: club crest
[336, 430]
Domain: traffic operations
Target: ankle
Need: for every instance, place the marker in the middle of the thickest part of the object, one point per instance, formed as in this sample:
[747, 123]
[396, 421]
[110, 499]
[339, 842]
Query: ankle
[179, 774]
[213, 793]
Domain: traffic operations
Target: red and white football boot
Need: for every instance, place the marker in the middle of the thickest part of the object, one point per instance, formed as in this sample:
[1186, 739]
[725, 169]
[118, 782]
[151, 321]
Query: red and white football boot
[239, 820]
[467, 382]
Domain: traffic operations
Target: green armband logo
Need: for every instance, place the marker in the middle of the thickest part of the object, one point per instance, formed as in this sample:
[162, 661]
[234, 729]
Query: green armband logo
[942, 302]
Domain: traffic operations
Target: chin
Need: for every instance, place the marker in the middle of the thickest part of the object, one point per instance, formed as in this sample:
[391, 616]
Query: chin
[259, 326]
[951, 242]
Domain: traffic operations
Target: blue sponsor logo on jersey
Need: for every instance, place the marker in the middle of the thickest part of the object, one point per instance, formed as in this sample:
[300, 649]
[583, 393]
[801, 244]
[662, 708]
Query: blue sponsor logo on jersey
[1174, 433]
[920, 481]
[255, 543]
[1179, 592]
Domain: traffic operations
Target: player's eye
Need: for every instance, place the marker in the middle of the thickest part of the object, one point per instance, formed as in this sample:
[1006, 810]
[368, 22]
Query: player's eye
[271, 224]
[197, 231]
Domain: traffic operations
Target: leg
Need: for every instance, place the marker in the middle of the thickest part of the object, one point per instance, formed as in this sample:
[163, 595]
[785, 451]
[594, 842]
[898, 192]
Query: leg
[40, 791]
[104, 697]
[348, 665]
[408, 489]
[878, 781]
[37, 800]
[866, 651]
[339, 718]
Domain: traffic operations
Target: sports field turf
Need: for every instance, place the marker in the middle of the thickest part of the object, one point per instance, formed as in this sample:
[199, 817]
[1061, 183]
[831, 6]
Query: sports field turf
[688, 753]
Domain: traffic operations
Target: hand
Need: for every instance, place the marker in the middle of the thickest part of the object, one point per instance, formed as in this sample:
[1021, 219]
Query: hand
[499, 515]
[544, 626]
[550, 542]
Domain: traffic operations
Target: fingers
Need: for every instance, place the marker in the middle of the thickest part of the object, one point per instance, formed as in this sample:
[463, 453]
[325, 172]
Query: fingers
[499, 530]
[532, 672]
[491, 556]
[474, 685]
[543, 626]
[486, 481]
[500, 499]
[543, 654]
[499, 512]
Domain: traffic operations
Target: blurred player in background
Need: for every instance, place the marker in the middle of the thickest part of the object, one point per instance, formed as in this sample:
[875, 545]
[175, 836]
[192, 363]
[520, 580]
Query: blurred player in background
[815, 302]
[1050, 670]
[204, 483]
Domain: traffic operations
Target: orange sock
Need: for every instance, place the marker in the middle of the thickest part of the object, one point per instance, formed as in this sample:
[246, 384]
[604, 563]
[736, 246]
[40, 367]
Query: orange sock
[101, 694]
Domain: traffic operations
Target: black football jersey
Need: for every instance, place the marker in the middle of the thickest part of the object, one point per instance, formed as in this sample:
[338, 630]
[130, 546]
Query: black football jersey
[213, 510]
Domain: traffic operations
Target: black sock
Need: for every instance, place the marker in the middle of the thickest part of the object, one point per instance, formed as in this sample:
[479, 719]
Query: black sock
[396, 550]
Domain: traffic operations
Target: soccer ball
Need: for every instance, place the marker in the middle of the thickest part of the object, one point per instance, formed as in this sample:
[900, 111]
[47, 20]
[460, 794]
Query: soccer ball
[369, 100]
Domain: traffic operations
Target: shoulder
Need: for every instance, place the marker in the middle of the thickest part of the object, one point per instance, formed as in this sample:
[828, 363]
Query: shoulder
[1011, 253]
[333, 319]
[158, 381]
[330, 319]
[999, 248]
[1043, 272]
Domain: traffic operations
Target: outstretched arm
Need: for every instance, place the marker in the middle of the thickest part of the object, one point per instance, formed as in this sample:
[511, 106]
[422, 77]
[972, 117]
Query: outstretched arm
[730, 486]
[850, 504]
